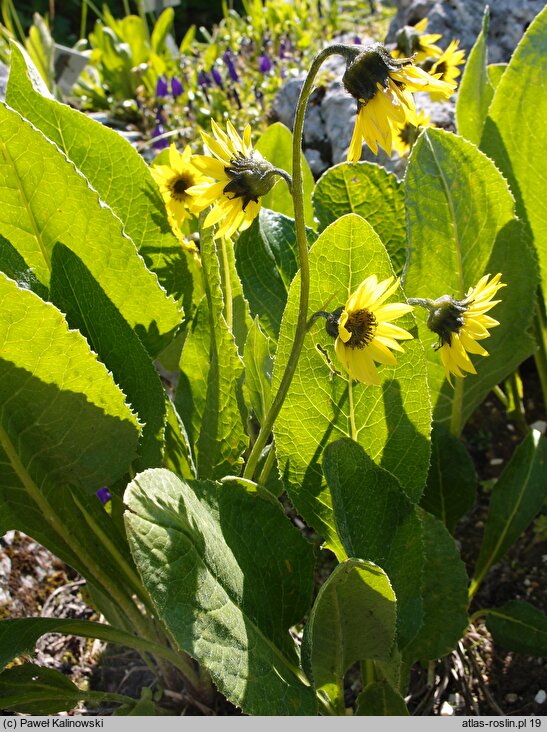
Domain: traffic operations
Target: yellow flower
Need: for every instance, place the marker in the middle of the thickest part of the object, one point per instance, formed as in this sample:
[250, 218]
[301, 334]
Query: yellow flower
[446, 68]
[364, 331]
[405, 135]
[382, 86]
[414, 40]
[461, 323]
[174, 180]
[241, 176]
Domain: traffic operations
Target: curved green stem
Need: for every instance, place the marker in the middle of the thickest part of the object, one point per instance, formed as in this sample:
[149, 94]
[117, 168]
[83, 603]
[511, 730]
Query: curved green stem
[302, 244]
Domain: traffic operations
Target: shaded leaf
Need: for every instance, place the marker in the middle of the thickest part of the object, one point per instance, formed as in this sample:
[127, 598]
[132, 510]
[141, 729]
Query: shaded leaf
[519, 626]
[375, 520]
[208, 396]
[258, 371]
[516, 498]
[391, 422]
[380, 700]
[229, 575]
[373, 193]
[352, 619]
[266, 260]
[451, 482]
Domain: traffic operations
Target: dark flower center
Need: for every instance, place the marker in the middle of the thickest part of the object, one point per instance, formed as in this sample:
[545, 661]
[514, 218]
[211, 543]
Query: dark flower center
[179, 185]
[441, 68]
[362, 325]
[409, 134]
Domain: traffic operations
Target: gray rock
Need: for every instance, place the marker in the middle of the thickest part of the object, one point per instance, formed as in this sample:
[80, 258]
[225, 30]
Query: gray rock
[463, 19]
[4, 73]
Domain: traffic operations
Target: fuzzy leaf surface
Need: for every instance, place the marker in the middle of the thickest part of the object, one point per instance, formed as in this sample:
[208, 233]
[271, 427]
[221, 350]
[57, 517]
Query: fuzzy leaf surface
[380, 699]
[391, 422]
[373, 193]
[461, 226]
[229, 575]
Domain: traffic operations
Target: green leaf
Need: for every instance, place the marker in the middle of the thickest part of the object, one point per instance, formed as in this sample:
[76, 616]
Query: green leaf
[161, 30]
[461, 227]
[266, 262]
[391, 422]
[75, 291]
[118, 174]
[352, 619]
[258, 371]
[376, 521]
[19, 636]
[476, 90]
[275, 144]
[373, 193]
[519, 626]
[380, 700]
[451, 482]
[229, 576]
[495, 72]
[33, 689]
[65, 431]
[208, 396]
[236, 308]
[516, 498]
[513, 132]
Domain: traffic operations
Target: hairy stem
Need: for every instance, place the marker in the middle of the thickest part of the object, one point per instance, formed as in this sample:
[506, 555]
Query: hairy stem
[302, 244]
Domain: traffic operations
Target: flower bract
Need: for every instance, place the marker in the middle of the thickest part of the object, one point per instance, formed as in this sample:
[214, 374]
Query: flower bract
[174, 180]
[241, 176]
[366, 334]
[460, 324]
[383, 89]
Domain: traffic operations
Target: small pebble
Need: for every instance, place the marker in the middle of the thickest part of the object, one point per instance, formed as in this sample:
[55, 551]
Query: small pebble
[511, 698]
[447, 710]
[540, 696]
[496, 461]
[511, 427]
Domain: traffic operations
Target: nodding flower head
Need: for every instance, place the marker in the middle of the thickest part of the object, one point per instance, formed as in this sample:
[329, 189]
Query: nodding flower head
[382, 87]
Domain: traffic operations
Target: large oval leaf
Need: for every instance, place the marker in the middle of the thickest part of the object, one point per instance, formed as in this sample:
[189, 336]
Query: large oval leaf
[229, 575]
[373, 193]
[461, 226]
[391, 422]
[513, 132]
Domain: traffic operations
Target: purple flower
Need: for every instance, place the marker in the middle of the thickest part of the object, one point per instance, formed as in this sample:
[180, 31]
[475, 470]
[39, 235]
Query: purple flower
[227, 58]
[215, 73]
[282, 49]
[176, 87]
[103, 494]
[264, 63]
[203, 80]
[357, 41]
[161, 87]
[238, 100]
[162, 143]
